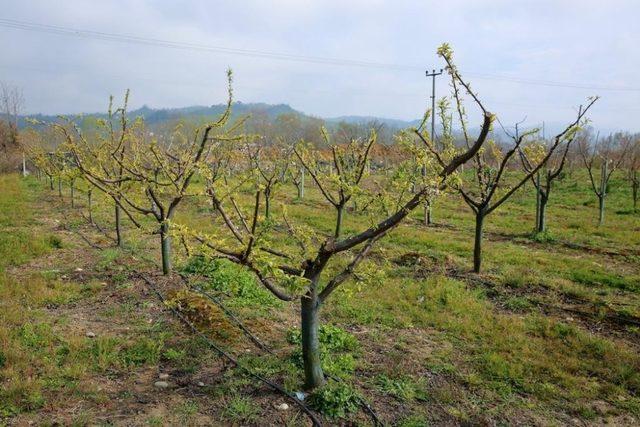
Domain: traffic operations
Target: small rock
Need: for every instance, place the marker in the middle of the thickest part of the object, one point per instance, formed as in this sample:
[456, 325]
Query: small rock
[282, 406]
[163, 376]
[79, 269]
[161, 384]
[200, 384]
[90, 334]
[300, 395]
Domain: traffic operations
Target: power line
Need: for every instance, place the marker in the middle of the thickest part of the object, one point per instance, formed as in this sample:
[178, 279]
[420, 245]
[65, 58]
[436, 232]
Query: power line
[132, 39]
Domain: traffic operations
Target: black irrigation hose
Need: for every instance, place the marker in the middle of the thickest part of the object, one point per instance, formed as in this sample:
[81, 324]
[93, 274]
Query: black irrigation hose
[367, 407]
[229, 314]
[223, 353]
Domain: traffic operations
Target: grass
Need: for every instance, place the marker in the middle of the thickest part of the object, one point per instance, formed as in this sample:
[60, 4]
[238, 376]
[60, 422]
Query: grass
[405, 331]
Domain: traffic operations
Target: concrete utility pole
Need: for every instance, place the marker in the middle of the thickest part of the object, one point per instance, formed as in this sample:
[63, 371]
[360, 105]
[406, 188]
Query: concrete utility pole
[427, 205]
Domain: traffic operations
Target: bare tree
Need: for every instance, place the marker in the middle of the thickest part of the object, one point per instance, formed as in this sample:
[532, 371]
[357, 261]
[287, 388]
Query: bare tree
[490, 167]
[632, 165]
[156, 174]
[551, 170]
[11, 105]
[607, 155]
[350, 161]
[270, 162]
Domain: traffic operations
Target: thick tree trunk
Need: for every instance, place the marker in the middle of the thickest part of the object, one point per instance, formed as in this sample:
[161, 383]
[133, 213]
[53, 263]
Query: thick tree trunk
[309, 326]
[477, 246]
[117, 226]
[165, 244]
[542, 215]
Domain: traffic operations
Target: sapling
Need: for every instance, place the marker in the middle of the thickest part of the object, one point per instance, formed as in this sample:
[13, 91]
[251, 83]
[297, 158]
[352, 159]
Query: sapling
[551, 171]
[153, 175]
[492, 162]
[606, 154]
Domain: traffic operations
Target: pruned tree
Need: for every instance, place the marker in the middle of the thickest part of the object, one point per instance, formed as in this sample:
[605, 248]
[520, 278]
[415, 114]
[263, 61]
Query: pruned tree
[632, 166]
[11, 105]
[302, 271]
[153, 175]
[489, 190]
[607, 155]
[296, 173]
[341, 182]
[551, 170]
[270, 164]
[100, 157]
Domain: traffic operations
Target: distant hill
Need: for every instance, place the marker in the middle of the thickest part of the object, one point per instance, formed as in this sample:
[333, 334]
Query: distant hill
[201, 113]
[154, 116]
[392, 123]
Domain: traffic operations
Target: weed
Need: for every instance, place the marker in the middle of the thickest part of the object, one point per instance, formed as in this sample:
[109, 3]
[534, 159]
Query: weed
[517, 304]
[142, 352]
[241, 409]
[404, 389]
[335, 347]
[229, 278]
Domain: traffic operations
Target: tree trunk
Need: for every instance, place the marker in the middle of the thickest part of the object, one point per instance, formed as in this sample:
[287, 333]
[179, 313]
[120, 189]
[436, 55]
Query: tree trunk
[165, 243]
[117, 226]
[427, 213]
[542, 220]
[635, 183]
[538, 196]
[51, 183]
[59, 187]
[90, 207]
[301, 190]
[339, 222]
[267, 203]
[477, 247]
[309, 326]
[601, 206]
[72, 192]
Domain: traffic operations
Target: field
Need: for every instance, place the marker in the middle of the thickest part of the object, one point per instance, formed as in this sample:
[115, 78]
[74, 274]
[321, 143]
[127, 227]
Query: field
[548, 334]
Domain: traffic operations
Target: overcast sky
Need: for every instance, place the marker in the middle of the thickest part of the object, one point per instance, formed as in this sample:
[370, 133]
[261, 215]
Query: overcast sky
[586, 43]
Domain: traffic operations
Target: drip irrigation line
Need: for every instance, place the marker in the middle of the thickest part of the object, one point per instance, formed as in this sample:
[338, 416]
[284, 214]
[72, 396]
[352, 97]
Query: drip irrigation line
[221, 352]
[227, 312]
[367, 407]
